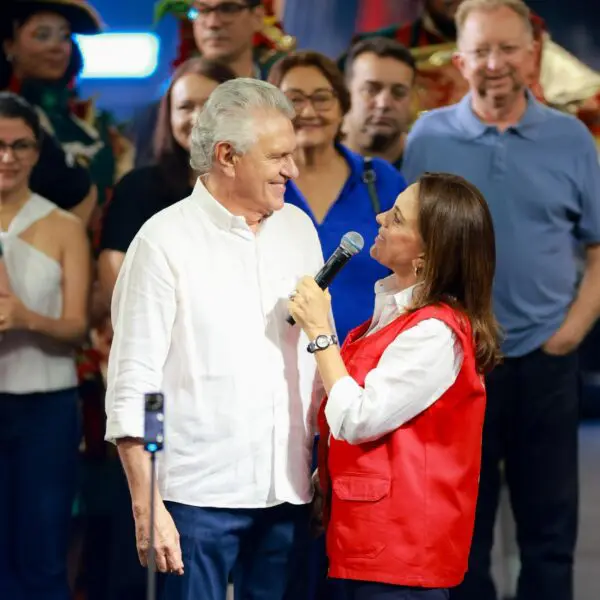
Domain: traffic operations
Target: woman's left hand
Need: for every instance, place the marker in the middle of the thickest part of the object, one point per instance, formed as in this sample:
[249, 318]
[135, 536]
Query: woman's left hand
[311, 307]
[13, 313]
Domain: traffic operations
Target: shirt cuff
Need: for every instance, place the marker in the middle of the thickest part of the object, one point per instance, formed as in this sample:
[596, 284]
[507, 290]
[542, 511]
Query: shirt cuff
[123, 427]
[344, 392]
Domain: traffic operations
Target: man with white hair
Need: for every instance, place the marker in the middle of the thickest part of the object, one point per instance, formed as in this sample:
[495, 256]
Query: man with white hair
[199, 313]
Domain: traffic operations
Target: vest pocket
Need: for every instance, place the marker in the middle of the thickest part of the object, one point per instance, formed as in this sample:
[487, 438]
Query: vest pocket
[361, 488]
[357, 525]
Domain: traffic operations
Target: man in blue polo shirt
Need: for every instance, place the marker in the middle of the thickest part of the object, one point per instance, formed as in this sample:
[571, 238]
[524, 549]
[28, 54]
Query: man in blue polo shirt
[538, 170]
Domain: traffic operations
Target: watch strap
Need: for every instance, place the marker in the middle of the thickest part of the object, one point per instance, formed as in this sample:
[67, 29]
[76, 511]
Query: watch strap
[322, 342]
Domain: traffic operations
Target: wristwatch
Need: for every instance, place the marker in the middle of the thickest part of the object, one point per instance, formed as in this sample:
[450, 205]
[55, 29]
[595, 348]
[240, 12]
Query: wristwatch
[321, 342]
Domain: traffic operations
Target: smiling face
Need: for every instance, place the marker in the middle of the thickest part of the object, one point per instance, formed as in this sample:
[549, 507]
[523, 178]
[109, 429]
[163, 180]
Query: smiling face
[188, 96]
[261, 173]
[41, 48]
[497, 55]
[18, 155]
[398, 244]
[318, 111]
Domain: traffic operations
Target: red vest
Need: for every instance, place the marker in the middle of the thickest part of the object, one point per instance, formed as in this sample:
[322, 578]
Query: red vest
[401, 509]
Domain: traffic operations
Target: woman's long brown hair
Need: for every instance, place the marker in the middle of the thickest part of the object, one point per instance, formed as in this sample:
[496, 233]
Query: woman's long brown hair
[459, 257]
[171, 158]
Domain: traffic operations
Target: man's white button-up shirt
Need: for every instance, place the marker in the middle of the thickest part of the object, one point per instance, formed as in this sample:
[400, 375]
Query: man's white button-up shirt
[199, 313]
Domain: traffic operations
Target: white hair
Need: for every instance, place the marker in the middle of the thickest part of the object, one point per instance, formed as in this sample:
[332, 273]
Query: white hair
[229, 115]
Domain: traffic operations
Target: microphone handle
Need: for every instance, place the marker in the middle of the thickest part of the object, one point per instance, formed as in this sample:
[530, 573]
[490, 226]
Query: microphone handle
[328, 271]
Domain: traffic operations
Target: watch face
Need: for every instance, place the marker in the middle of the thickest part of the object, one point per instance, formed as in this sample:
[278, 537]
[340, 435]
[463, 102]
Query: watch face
[322, 341]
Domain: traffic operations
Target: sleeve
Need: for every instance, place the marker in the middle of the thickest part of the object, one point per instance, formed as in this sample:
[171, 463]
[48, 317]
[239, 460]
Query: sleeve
[124, 216]
[392, 183]
[143, 313]
[413, 164]
[413, 372]
[589, 192]
[58, 178]
[316, 262]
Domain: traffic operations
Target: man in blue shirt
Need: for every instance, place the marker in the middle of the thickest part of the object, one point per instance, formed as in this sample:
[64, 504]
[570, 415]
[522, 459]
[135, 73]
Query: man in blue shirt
[538, 170]
[380, 74]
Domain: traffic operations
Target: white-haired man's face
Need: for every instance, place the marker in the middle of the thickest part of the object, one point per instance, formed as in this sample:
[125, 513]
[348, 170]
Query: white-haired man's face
[261, 174]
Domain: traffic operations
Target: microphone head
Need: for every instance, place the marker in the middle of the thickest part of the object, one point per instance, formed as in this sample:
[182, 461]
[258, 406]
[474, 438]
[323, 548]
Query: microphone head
[352, 242]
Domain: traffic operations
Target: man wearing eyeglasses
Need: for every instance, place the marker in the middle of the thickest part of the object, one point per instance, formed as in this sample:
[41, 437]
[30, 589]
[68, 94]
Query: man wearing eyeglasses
[242, 34]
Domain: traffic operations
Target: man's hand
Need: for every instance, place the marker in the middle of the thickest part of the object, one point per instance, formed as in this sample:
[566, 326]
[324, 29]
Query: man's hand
[316, 516]
[166, 539]
[562, 342]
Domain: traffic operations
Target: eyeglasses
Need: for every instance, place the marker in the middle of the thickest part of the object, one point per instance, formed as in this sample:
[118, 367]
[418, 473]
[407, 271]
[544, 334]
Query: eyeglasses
[321, 100]
[483, 54]
[19, 148]
[227, 11]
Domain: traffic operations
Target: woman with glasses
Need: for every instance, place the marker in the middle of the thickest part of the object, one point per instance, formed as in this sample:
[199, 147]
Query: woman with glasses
[340, 190]
[43, 317]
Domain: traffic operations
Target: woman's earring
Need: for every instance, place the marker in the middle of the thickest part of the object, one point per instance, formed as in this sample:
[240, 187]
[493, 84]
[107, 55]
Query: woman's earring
[9, 57]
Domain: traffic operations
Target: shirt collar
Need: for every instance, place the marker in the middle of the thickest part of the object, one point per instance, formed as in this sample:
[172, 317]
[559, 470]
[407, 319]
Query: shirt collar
[387, 289]
[217, 213]
[527, 127]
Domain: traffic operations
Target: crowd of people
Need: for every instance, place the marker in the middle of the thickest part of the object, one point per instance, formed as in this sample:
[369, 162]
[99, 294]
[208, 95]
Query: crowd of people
[360, 453]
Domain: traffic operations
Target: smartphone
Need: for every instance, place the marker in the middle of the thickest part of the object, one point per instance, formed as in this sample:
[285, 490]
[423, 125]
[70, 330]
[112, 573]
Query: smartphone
[154, 419]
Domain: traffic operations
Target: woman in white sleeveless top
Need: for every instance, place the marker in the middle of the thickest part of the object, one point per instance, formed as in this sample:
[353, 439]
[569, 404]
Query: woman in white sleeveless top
[43, 317]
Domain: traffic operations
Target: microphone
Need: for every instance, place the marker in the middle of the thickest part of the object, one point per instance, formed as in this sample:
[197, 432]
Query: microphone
[351, 243]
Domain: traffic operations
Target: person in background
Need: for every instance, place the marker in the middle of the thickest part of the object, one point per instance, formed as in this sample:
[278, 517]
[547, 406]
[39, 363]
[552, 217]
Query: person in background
[55, 165]
[538, 170]
[244, 35]
[380, 74]
[339, 189]
[43, 317]
[556, 77]
[40, 60]
[147, 190]
[401, 426]
[199, 312]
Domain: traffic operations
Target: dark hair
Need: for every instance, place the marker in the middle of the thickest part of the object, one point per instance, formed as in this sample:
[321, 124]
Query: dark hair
[381, 47]
[173, 160]
[13, 106]
[8, 29]
[308, 58]
[460, 257]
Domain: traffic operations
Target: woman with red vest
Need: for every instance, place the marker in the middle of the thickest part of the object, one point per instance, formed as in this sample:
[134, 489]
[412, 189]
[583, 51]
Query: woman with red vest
[402, 422]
